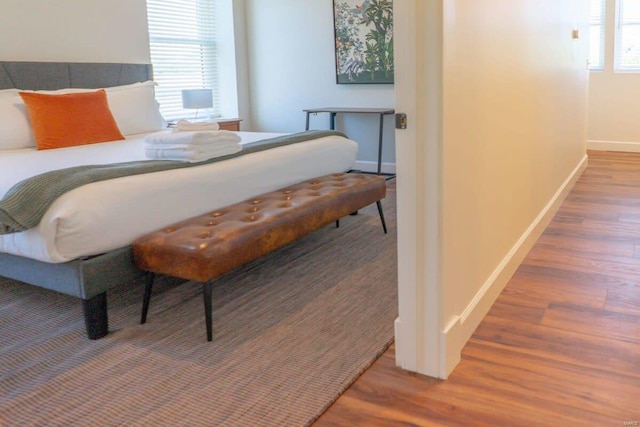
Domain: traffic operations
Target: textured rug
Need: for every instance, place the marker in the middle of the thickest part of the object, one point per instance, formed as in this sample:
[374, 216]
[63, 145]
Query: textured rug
[291, 332]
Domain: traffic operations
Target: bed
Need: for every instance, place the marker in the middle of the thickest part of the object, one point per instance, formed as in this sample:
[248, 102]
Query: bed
[81, 246]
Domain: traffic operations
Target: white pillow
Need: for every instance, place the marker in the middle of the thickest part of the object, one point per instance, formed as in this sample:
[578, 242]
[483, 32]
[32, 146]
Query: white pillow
[15, 128]
[133, 106]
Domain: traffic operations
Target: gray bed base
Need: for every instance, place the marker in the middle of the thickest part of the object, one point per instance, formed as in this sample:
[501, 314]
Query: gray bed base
[88, 278]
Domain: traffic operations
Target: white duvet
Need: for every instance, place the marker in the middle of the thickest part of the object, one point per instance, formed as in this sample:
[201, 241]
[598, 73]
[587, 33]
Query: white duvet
[107, 215]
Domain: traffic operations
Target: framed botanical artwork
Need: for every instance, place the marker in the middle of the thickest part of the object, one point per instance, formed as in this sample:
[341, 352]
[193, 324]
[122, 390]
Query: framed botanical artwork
[363, 40]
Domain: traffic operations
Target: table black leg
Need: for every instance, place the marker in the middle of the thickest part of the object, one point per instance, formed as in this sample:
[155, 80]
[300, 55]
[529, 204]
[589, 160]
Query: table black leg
[306, 127]
[206, 295]
[380, 144]
[332, 121]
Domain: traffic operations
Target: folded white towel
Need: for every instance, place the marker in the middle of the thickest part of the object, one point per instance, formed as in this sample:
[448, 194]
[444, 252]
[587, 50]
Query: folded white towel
[192, 138]
[186, 125]
[190, 153]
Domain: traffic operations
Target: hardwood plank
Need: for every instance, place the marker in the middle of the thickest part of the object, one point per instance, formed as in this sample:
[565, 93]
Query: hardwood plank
[603, 323]
[529, 295]
[623, 268]
[571, 276]
[597, 230]
[624, 300]
[582, 350]
[551, 382]
[514, 308]
[628, 217]
[576, 243]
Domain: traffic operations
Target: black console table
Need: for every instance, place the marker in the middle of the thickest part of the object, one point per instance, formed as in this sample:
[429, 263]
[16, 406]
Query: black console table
[332, 121]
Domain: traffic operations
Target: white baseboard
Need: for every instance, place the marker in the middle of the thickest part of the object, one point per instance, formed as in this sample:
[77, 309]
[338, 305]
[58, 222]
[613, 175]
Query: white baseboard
[459, 330]
[366, 166]
[630, 147]
[397, 327]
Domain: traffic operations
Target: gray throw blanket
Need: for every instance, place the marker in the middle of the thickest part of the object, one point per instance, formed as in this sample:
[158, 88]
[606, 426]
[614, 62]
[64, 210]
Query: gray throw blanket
[25, 203]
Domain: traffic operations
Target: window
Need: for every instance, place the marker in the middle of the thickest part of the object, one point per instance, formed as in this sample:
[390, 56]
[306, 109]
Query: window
[183, 52]
[627, 56]
[596, 54]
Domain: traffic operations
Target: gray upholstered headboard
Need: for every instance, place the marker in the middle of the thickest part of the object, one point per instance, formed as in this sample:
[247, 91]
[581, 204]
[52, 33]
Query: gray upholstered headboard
[58, 75]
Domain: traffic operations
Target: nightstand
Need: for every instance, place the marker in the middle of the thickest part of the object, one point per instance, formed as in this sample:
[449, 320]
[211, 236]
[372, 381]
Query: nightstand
[225, 124]
[229, 124]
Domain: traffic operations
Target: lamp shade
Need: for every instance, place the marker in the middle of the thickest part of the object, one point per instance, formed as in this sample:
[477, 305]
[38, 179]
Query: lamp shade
[197, 98]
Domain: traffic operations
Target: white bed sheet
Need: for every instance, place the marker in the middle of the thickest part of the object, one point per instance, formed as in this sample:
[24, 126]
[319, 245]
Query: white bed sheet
[107, 215]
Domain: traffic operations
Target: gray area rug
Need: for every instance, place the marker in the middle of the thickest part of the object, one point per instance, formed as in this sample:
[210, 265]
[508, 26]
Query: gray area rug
[291, 332]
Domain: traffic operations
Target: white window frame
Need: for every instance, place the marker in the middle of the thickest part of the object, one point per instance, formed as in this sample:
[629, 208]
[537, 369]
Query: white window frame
[193, 62]
[619, 67]
[594, 22]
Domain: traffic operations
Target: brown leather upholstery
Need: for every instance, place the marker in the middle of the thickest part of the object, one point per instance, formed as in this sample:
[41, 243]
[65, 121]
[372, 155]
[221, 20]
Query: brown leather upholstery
[204, 247]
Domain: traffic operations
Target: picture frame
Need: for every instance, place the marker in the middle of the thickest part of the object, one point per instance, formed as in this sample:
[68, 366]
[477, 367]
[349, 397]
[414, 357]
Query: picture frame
[363, 33]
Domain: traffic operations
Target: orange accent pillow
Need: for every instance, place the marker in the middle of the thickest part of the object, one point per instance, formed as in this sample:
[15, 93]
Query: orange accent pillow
[71, 119]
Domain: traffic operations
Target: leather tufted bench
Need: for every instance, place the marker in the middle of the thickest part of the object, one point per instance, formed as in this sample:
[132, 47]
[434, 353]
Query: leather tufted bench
[207, 246]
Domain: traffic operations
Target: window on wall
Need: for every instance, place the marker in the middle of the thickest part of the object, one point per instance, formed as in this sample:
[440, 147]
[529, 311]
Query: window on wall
[596, 54]
[182, 41]
[627, 55]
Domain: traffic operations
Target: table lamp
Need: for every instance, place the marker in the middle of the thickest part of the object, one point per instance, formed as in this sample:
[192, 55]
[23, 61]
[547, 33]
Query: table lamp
[197, 99]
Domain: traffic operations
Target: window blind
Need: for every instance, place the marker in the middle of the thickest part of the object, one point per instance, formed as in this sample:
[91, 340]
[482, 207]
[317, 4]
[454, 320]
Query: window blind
[182, 39]
[627, 53]
[597, 21]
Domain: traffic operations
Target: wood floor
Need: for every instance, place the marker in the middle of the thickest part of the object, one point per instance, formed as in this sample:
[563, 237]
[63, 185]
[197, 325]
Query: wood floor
[561, 345]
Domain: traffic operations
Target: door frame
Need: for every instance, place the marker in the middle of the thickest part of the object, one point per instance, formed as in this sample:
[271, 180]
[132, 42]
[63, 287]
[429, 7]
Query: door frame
[418, 44]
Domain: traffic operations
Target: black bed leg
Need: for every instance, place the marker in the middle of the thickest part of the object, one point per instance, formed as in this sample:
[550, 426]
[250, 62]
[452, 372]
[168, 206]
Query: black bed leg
[206, 295]
[147, 297]
[95, 316]
[384, 225]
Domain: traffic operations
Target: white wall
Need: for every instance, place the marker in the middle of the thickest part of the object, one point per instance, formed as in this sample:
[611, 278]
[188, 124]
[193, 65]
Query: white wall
[292, 67]
[614, 101]
[70, 30]
[511, 142]
[614, 111]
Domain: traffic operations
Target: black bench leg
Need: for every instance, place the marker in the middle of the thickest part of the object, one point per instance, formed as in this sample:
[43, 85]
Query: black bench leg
[384, 225]
[337, 223]
[96, 319]
[147, 297]
[206, 295]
